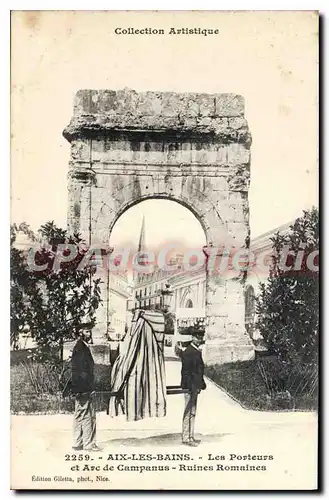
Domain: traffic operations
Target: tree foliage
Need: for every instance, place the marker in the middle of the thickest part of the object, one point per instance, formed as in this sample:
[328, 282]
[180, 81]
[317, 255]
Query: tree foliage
[169, 319]
[288, 304]
[54, 302]
[21, 284]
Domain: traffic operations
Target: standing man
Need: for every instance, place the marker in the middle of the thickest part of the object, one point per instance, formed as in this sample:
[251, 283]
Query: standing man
[82, 385]
[193, 381]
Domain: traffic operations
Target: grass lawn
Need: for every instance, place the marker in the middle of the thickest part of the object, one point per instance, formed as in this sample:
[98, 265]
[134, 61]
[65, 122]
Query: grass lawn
[35, 390]
[244, 381]
[25, 399]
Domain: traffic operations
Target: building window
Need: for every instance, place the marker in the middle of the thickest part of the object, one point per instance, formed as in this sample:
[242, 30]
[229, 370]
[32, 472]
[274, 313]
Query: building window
[189, 304]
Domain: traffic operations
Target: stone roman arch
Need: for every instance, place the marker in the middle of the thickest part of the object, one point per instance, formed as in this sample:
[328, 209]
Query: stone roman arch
[194, 149]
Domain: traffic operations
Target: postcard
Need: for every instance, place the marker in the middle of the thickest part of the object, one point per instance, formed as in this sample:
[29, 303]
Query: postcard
[164, 250]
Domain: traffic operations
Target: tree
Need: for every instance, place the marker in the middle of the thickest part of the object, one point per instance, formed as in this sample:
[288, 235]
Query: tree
[169, 319]
[21, 284]
[288, 304]
[54, 302]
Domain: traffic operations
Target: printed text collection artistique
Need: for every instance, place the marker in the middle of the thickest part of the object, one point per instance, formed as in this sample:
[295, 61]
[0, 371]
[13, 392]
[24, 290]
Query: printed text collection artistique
[170, 31]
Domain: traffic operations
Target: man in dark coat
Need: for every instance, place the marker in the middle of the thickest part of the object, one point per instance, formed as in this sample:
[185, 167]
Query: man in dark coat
[82, 385]
[193, 381]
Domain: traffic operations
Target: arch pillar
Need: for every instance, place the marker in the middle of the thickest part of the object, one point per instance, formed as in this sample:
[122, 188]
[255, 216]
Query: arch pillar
[226, 337]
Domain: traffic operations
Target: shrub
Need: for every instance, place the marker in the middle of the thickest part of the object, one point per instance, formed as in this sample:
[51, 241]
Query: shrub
[35, 388]
[288, 304]
[267, 384]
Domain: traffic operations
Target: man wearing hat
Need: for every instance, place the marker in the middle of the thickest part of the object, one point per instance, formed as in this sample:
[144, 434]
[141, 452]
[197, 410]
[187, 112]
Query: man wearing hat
[82, 385]
[193, 381]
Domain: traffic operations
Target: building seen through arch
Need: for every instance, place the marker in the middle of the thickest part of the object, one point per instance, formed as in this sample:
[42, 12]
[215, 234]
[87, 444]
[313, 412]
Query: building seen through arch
[187, 287]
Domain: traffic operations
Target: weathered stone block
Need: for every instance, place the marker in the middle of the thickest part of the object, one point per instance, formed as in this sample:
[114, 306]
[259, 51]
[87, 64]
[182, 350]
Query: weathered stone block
[148, 104]
[81, 102]
[80, 150]
[238, 154]
[239, 232]
[216, 330]
[217, 185]
[238, 123]
[207, 105]
[114, 110]
[234, 211]
[192, 107]
[239, 180]
[172, 104]
[219, 353]
[172, 185]
[146, 186]
[229, 105]
[216, 294]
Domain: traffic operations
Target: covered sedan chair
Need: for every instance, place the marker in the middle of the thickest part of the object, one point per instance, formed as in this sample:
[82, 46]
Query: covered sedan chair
[138, 385]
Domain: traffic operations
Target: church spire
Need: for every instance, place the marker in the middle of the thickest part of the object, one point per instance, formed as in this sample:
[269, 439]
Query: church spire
[141, 243]
[142, 257]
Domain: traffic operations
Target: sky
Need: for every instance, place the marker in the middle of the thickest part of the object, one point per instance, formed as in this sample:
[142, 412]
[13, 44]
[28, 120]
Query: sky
[269, 58]
[166, 222]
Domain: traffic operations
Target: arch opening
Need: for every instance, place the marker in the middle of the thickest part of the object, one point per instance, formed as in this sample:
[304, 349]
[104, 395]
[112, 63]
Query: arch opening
[161, 227]
[151, 198]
